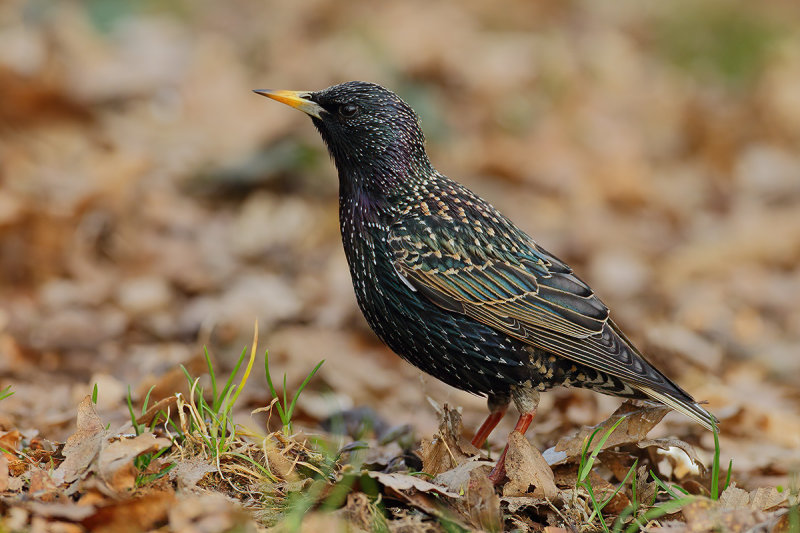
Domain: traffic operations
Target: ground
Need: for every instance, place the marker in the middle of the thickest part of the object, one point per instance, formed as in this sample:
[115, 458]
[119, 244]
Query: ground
[152, 207]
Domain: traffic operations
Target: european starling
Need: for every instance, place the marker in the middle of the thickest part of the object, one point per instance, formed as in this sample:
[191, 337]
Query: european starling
[453, 286]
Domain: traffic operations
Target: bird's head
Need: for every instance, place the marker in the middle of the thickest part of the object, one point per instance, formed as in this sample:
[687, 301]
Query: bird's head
[372, 135]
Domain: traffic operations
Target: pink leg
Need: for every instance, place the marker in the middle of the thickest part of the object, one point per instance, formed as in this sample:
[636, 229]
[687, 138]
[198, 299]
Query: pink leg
[488, 425]
[498, 473]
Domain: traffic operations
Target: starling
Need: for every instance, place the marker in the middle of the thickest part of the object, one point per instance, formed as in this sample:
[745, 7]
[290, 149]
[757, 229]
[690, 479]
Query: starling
[453, 286]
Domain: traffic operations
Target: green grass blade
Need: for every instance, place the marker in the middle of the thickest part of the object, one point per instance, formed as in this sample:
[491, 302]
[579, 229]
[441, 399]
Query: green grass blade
[300, 389]
[598, 510]
[288, 420]
[136, 428]
[210, 367]
[260, 467]
[715, 463]
[587, 467]
[272, 391]
[142, 480]
[728, 476]
[666, 487]
[188, 376]
[5, 393]
[657, 512]
[622, 484]
[147, 399]
[582, 470]
[229, 383]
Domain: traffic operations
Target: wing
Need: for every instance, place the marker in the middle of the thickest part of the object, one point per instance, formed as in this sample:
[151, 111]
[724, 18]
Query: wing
[486, 268]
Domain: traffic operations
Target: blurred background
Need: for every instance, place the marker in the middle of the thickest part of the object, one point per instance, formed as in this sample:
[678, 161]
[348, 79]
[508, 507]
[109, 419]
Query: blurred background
[151, 204]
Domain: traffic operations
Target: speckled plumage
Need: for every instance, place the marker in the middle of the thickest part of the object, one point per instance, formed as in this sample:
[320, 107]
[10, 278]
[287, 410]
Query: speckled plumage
[453, 286]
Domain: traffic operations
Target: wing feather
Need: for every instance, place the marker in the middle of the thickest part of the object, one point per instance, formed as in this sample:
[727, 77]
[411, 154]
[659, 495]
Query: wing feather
[522, 290]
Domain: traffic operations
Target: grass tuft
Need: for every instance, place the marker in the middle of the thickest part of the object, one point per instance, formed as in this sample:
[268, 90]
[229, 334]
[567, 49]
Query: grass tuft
[286, 409]
[640, 513]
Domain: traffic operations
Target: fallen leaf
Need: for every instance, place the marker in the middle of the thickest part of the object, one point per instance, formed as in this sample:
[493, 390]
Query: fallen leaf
[733, 497]
[281, 465]
[4, 475]
[189, 471]
[483, 503]
[172, 382]
[10, 440]
[526, 468]
[358, 513]
[645, 489]
[427, 503]
[403, 482]
[761, 499]
[707, 515]
[207, 513]
[457, 479]
[637, 424]
[41, 485]
[139, 514]
[515, 503]
[766, 498]
[448, 448]
[82, 446]
[678, 460]
[115, 461]
[165, 405]
[67, 511]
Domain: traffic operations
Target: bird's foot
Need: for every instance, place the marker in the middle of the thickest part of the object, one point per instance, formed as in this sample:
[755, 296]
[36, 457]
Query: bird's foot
[497, 475]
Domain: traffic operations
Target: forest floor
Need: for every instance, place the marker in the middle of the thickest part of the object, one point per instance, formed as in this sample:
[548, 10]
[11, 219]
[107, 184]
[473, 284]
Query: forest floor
[153, 209]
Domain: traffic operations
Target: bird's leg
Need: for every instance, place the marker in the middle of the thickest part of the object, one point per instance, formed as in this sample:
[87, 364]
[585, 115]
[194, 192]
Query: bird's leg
[498, 404]
[526, 399]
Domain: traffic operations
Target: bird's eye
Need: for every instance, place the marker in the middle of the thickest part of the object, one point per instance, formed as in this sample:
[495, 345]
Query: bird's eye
[348, 110]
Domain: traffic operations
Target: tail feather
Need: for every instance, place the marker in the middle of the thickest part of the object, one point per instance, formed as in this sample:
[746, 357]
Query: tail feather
[689, 408]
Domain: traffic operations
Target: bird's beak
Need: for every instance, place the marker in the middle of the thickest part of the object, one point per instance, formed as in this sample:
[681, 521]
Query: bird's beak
[297, 99]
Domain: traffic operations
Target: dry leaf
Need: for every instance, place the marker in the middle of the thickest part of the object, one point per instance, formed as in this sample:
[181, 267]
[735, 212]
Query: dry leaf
[281, 465]
[358, 513]
[68, 511]
[207, 513]
[139, 514]
[4, 475]
[172, 382]
[190, 470]
[706, 515]
[83, 446]
[483, 503]
[448, 448]
[41, 485]
[526, 468]
[681, 468]
[637, 424]
[766, 498]
[10, 440]
[457, 479]
[166, 405]
[760, 499]
[115, 462]
[733, 497]
[403, 482]
[645, 489]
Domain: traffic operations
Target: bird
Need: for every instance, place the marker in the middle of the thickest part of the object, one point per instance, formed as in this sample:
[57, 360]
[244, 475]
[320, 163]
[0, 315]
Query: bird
[452, 285]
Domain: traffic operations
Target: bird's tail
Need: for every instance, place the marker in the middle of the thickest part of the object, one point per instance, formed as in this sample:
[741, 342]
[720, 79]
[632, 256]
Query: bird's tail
[689, 408]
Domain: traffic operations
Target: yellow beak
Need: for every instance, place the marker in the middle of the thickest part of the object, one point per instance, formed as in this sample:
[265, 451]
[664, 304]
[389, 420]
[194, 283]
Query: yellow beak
[297, 99]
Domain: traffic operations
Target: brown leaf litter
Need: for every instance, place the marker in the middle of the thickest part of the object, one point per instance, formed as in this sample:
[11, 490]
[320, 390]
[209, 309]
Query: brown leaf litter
[448, 448]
